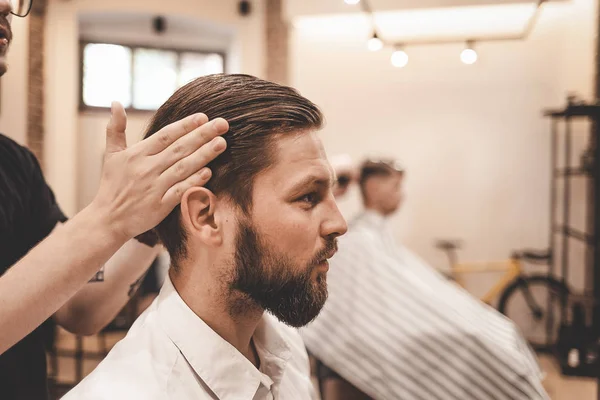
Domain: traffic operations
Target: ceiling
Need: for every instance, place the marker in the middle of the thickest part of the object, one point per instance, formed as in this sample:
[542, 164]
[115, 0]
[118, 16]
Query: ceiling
[299, 8]
[414, 20]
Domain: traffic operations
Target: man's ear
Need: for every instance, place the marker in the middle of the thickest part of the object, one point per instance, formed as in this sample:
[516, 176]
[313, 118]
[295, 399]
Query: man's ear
[198, 206]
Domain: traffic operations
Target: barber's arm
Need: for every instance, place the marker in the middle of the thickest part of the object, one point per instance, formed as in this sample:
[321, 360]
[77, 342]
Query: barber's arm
[140, 185]
[97, 303]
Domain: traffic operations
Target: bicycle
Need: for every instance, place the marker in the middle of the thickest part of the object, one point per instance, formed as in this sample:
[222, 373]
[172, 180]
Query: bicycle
[534, 302]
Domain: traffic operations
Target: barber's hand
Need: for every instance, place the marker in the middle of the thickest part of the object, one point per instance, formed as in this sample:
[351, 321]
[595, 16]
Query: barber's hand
[141, 185]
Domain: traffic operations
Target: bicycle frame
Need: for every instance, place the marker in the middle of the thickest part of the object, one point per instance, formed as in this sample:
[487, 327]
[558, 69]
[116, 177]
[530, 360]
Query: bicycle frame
[512, 267]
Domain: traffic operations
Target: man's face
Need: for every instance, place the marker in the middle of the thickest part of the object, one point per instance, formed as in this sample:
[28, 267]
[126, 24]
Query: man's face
[385, 192]
[5, 33]
[282, 247]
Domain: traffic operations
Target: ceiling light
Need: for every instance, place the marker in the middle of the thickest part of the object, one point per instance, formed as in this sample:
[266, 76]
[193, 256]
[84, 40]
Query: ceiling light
[399, 58]
[375, 44]
[468, 55]
[351, 2]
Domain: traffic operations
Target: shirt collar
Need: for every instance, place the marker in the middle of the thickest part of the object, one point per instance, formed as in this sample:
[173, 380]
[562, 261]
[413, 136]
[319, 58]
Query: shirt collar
[272, 348]
[220, 365]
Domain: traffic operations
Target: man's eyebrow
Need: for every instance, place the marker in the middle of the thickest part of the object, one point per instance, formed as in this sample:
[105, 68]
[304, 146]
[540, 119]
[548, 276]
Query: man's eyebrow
[316, 180]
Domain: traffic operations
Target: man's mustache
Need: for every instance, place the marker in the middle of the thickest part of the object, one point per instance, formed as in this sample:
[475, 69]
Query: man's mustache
[331, 247]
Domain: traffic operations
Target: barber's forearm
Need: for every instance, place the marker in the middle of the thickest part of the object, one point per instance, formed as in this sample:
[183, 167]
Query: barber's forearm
[51, 273]
[97, 303]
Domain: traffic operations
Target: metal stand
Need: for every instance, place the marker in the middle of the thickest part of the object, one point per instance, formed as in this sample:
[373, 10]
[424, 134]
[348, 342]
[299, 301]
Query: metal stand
[577, 337]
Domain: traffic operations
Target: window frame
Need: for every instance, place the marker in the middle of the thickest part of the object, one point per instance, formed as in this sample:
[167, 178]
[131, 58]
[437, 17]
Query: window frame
[133, 47]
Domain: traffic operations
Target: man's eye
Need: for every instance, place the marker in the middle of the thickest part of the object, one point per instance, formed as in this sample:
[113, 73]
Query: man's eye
[310, 198]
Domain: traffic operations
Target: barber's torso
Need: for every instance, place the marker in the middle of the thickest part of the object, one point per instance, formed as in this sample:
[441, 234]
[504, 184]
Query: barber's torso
[28, 213]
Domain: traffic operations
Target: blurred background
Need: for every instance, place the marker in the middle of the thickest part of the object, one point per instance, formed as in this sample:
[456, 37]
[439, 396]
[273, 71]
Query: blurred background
[469, 126]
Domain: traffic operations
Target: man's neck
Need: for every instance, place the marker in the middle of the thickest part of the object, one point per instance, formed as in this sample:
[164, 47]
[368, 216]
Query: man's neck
[208, 300]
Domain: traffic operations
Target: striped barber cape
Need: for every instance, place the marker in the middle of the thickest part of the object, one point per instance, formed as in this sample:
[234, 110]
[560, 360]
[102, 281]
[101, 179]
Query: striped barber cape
[397, 329]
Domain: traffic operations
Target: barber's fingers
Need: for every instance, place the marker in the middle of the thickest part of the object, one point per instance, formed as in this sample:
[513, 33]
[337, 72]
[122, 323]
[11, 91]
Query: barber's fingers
[173, 196]
[175, 156]
[168, 135]
[191, 164]
[115, 130]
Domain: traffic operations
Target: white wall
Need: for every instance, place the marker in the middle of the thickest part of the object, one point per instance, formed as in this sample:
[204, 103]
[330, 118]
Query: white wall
[472, 137]
[13, 85]
[182, 32]
[576, 51]
[69, 135]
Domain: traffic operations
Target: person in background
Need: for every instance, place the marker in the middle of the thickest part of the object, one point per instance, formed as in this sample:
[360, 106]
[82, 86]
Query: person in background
[45, 260]
[395, 328]
[346, 174]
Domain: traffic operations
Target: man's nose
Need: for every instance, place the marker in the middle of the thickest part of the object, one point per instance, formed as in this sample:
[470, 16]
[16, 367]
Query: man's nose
[335, 225]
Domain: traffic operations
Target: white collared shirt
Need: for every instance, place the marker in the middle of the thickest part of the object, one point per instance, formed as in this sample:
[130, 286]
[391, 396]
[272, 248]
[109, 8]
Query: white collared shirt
[170, 353]
[397, 329]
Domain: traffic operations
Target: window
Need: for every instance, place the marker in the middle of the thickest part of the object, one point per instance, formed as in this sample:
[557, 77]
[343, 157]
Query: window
[140, 78]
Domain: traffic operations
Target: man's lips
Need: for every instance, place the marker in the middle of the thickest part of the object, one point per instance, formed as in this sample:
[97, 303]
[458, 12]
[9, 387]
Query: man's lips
[324, 263]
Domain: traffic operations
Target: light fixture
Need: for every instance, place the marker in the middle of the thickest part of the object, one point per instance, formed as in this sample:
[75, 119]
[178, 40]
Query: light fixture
[468, 55]
[375, 44]
[399, 58]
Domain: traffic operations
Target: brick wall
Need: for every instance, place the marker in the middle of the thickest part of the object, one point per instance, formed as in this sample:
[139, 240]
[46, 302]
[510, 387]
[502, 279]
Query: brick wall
[277, 43]
[35, 96]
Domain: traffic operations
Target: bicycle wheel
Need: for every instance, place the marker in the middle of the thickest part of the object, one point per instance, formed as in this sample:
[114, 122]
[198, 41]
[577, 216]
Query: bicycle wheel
[526, 302]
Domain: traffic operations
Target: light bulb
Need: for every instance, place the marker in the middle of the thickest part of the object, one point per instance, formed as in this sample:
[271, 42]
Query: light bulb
[399, 58]
[351, 2]
[375, 44]
[468, 56]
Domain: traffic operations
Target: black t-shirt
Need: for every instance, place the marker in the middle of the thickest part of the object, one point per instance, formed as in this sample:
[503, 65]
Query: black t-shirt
[28, 213]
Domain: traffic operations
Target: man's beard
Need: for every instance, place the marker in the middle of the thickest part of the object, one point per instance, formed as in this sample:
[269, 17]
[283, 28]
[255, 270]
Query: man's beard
[274, 282]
